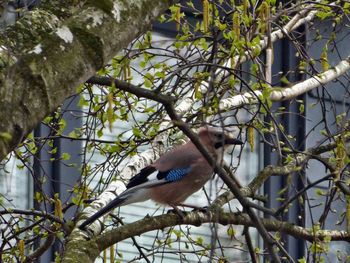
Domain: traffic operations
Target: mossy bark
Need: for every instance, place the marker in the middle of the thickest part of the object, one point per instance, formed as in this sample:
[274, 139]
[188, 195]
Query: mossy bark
[50, 51]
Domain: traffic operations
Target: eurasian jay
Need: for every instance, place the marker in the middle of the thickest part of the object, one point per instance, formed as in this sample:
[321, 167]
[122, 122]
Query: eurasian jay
[174, 176]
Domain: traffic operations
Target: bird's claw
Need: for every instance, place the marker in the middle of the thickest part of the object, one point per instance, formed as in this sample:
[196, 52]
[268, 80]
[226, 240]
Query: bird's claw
[203, 209]
[178, 212]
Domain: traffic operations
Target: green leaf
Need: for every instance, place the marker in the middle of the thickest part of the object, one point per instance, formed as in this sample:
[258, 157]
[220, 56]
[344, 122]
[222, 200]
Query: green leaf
[100, 133]
[136, 132]
[114, 148]
[65, 156]
[301, 108]
[339, 118]
[284, 80]
[288, 159]
[148, 83]
[162, 18]
[160, 74]
[323, 15]
[76, 200]
[323, 132]
[38, 197]
[204, 44]
[319, 192]
[143, 64]
[190, 4]
[231, 232]
[54, 150]
[73, 134]
[199, 241]
[6, 136]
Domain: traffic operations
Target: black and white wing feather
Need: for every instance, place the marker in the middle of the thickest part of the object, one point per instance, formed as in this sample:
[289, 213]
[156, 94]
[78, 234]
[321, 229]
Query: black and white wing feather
[137, 188]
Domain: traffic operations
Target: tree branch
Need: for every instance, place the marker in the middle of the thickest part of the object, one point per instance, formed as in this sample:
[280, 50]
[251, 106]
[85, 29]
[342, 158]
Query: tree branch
[306, 14]
[146, 224]
[53, 56]
[41, 250]
[289, 93]
[271, 170]
[35, 213]
[136, 90]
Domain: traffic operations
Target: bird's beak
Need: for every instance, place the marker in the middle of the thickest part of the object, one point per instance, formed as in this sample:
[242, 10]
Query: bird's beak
[233, 141]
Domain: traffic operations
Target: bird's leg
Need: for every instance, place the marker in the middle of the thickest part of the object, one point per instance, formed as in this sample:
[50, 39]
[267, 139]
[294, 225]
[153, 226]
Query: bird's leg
[178, 211]
[194, 207]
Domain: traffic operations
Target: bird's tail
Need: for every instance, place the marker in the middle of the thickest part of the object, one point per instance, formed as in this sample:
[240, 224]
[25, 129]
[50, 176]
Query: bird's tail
[110, 206]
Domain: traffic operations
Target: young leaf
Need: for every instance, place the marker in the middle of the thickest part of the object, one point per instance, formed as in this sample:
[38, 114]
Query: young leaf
[205, 15]
[250, 137]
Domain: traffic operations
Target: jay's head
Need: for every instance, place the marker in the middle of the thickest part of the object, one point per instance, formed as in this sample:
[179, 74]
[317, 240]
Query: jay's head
[216, 138]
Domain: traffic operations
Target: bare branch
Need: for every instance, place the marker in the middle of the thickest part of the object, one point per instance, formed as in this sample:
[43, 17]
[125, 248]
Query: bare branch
[291, 92]
[198, 218]
[41, 250]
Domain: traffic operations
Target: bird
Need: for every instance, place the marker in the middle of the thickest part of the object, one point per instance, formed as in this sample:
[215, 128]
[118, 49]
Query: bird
[175, 176]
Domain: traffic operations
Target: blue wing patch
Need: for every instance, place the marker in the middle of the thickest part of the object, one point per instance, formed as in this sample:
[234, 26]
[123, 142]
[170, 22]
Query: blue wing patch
[169, 176]
[176, 174]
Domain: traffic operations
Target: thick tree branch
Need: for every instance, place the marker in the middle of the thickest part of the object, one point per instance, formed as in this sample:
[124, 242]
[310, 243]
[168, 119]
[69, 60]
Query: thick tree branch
[57, 55]
[92, 248]
[198, 218]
